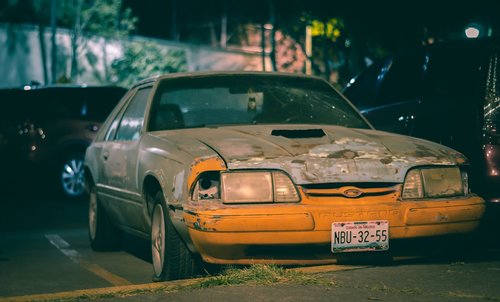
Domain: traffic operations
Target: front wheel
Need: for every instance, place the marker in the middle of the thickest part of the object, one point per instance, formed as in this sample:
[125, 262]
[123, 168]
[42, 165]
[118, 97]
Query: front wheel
[171, 258]
[103, 235]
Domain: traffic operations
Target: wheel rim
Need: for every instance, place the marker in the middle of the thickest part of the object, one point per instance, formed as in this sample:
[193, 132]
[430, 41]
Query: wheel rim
[158, 239]
[73, 181]
[93, 214]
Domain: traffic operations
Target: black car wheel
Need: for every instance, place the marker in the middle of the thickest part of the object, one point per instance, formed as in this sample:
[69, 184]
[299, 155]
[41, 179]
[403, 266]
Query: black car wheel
[171, 258]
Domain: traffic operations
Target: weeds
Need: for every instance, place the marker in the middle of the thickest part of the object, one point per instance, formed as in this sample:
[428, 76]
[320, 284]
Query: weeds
[261, 274]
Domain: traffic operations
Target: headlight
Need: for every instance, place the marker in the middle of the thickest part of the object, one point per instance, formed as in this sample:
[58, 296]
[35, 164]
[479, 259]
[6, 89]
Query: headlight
[435, 183]
[258, 186]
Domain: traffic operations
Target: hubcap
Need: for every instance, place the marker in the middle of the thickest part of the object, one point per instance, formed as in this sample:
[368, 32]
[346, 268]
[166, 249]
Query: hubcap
[73, 181]
[158, 239]
[92, 214]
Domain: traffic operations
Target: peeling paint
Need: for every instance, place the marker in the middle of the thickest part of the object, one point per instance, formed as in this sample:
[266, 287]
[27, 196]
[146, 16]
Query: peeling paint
[351, 157]
[179, 180]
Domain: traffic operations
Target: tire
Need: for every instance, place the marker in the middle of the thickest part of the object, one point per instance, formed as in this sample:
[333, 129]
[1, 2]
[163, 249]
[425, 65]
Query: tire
[103, 235]
[171, 258]
[71, 176]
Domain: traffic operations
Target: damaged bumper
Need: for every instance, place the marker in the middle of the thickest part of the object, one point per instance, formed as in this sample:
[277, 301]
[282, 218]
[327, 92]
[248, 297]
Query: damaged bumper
[301, 233]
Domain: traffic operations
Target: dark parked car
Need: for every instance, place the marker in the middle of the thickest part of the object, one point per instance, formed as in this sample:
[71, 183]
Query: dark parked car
[447, 93]
[44, 132]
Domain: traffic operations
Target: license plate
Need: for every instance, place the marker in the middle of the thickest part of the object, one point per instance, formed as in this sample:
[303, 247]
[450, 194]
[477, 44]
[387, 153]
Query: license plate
[360, 236]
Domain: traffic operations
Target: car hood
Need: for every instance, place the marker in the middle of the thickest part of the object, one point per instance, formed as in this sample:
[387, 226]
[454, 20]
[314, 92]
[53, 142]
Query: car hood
[319, 154]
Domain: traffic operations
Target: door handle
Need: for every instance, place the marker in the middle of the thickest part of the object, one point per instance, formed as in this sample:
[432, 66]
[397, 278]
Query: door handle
[105, 155]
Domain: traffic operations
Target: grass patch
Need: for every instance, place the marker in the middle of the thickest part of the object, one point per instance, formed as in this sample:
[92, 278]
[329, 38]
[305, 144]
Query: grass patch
[258, 274]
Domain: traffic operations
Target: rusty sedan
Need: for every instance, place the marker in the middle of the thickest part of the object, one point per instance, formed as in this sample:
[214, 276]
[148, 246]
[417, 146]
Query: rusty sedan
[249, 167]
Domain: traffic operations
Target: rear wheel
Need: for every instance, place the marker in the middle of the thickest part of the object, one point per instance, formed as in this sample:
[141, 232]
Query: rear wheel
[171, 258]
[103, 235]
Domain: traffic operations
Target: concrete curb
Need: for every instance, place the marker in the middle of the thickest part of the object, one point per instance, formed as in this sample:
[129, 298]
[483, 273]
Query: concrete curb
[95, 293]
[137, 289]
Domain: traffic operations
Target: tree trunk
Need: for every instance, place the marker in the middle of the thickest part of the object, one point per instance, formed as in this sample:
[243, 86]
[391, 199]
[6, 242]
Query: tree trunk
[74, 42]
[325, 51]
[272, 35]
[263, 45]
[213, 35]
[105, 61]
[308, 50]
[174, 35]
[53, 50]
[43, 50]
[223, 26]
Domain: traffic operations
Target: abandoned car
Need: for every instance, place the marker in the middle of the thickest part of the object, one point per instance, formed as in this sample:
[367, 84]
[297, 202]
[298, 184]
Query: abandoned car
[249, 167]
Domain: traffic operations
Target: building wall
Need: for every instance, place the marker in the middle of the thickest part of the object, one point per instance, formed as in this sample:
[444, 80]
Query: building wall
[21, 56]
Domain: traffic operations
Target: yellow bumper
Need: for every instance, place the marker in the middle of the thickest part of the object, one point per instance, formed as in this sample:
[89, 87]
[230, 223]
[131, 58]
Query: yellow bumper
[301, 233]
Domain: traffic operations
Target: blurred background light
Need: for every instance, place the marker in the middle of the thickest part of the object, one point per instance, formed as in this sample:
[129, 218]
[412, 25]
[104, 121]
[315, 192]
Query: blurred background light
[472, 32]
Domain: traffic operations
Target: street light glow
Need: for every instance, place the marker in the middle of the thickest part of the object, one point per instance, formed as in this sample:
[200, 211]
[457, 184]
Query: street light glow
[471, 32]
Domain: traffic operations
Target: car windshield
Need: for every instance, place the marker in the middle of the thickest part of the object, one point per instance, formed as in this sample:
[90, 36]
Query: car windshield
[249, 99]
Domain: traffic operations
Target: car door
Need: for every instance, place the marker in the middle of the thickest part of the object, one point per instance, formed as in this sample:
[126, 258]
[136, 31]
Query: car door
[120, 164]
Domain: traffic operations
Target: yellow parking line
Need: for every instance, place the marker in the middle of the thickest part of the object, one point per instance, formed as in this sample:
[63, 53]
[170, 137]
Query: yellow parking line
[104, 274]
[64, 247]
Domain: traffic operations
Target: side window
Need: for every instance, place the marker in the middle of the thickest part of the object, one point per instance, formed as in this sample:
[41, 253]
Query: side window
[403, 79]
[99, 103]
[113, 117]
[364, 88]
[110, 134]
[133, 118]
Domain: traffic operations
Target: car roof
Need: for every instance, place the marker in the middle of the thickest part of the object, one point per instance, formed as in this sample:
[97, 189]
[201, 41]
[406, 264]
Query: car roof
[200, 74]
[61, 87]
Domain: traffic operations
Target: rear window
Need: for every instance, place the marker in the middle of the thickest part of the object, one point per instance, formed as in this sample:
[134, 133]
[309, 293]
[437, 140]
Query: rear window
[403, 79]
[74, 103]
[394, 80]
[100, 102]
[454, 70]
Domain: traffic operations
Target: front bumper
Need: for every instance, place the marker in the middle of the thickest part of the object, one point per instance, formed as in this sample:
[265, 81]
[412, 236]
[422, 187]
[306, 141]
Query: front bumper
[301, 233]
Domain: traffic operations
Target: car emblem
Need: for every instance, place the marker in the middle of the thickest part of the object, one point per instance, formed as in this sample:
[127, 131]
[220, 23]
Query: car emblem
[352, 193]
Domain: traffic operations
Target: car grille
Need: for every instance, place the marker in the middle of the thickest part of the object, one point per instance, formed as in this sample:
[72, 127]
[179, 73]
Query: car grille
[351, 190]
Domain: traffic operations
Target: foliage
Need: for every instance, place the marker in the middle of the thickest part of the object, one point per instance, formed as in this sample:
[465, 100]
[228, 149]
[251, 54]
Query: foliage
[258, 274]
[289, 54]
[143, 60]
[105, 18]
[331, 28]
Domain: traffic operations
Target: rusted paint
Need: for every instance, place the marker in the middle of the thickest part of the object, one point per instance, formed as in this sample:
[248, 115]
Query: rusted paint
[179, 180]
[202, 164]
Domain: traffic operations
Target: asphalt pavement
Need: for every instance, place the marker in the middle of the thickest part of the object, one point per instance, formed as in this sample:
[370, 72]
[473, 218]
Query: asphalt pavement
[465, 278]
[32, 268]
